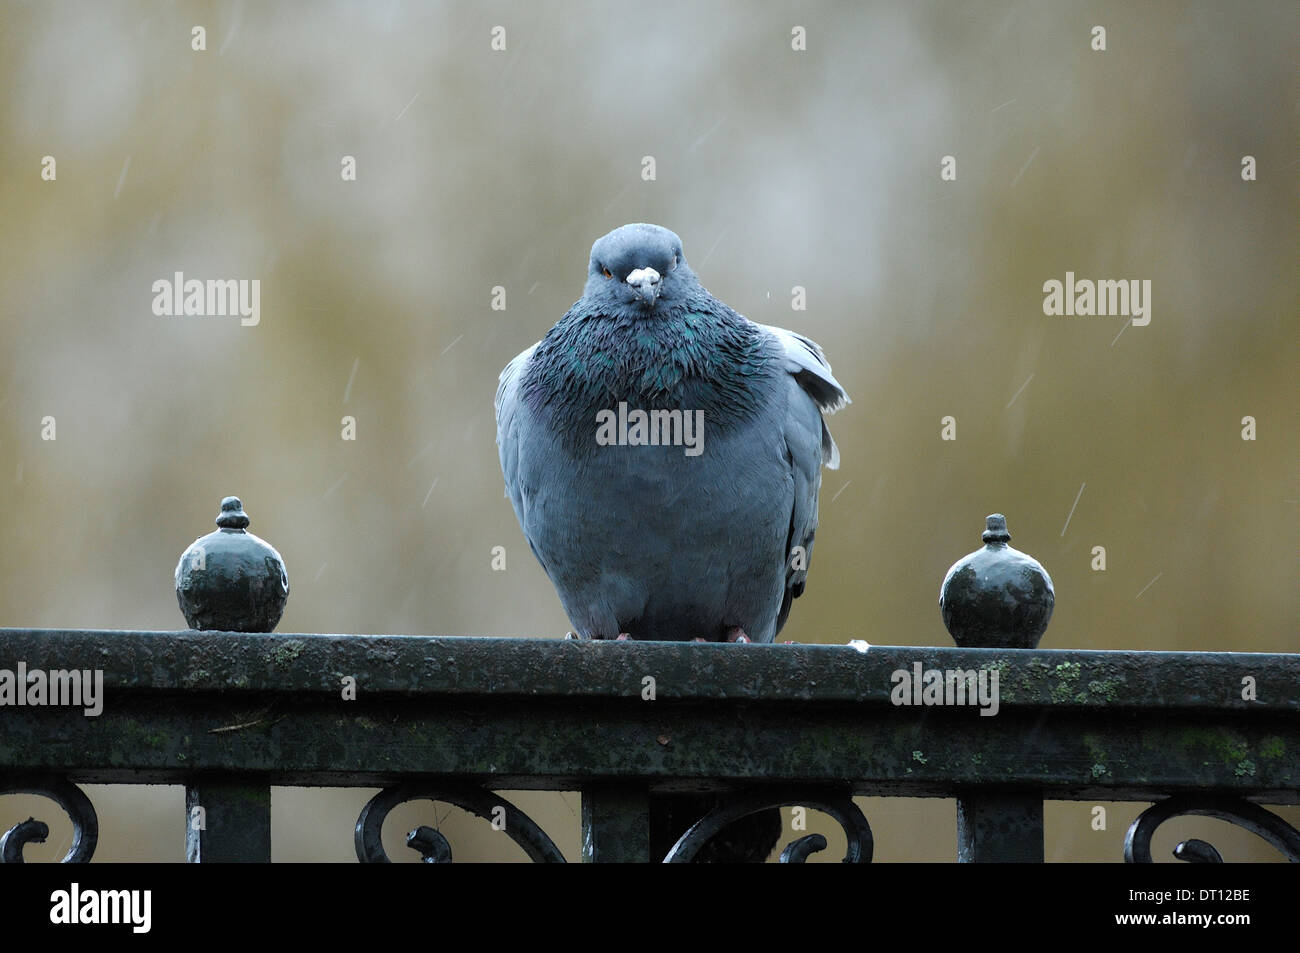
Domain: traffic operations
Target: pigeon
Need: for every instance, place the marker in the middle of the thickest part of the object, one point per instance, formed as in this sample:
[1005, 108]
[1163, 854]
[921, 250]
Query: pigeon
[663, 453]
[663, 456]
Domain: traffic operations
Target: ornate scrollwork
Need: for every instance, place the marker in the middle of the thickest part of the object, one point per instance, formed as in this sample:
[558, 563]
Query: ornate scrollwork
[85, 823]
[433, 847]
[1137, 842]
[835, 803]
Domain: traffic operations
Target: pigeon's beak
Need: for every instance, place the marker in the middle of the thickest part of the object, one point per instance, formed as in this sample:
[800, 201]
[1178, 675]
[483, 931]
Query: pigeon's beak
[644, 283]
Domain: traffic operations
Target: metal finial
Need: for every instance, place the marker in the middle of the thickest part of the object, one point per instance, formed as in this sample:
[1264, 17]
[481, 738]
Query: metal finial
[230, 580]
[995, 530]
[232, 514]
[997, 597]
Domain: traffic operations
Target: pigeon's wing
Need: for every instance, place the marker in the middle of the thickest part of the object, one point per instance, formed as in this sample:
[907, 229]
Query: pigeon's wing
[809, 447]
[508, 403]
[805, 360]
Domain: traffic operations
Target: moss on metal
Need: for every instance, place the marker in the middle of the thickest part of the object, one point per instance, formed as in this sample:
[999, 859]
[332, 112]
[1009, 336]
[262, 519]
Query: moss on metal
[553, 715]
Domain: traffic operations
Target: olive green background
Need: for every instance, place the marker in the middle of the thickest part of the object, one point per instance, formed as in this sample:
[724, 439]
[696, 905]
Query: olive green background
[778, 169]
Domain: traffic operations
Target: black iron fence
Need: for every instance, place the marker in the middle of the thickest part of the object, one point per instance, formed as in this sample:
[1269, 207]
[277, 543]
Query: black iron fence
[630, 725]
[679, 750]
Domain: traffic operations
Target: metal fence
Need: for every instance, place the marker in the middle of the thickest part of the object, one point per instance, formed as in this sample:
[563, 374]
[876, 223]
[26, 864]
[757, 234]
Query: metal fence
[631, 725]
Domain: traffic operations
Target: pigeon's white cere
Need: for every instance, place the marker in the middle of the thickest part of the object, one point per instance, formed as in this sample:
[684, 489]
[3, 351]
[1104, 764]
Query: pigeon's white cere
[643, 276]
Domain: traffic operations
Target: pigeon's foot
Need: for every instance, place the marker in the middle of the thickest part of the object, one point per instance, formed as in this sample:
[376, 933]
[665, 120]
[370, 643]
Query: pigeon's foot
[575, 637]
[623, 637]
[697, 639]
[736, 634]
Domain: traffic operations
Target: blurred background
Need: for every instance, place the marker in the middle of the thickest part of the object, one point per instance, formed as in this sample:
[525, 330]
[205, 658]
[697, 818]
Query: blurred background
[478, 168]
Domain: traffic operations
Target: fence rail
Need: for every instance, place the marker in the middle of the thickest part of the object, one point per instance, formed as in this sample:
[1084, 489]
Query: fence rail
[631, 724]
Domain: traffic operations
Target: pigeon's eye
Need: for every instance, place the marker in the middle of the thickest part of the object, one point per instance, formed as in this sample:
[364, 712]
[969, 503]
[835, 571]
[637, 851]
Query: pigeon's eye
[605, 272]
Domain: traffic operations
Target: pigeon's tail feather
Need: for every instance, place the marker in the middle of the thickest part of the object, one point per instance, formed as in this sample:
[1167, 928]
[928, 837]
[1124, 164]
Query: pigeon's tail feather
[830, 452]
[791, 593]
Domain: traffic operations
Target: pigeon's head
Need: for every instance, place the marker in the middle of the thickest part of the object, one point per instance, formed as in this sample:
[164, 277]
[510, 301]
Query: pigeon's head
[638, 267]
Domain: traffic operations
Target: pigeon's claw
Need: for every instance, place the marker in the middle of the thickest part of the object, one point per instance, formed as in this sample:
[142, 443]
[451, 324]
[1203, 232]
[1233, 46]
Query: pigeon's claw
[623, 637]
[736, 634]
[574, 636]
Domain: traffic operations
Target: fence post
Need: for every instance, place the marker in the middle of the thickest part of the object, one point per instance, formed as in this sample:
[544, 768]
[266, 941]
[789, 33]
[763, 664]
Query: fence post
[227, 820]
[615, 824]
[998, 597]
